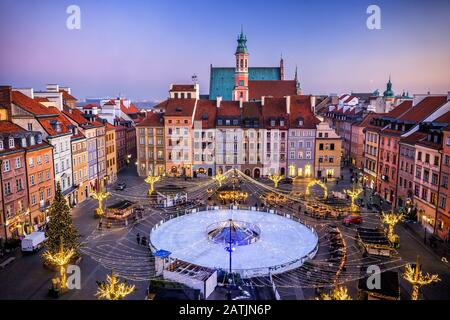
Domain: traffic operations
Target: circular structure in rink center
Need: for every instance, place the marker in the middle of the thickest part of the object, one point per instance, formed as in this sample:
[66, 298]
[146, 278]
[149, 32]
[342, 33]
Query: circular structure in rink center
[263, 242]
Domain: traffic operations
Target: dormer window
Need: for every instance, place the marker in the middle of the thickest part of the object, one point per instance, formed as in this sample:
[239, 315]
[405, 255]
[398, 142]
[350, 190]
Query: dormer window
[300, 122]
[272, 123]
[282, 123]
[1, 144]
[39, 139]
[24, 142]
[32, 141]
[11, 142]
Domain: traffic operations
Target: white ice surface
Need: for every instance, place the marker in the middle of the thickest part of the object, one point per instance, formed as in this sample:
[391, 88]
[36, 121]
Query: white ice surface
[282, 240]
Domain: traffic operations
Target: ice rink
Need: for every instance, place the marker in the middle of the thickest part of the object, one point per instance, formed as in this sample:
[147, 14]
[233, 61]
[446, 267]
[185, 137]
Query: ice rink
[282, 240]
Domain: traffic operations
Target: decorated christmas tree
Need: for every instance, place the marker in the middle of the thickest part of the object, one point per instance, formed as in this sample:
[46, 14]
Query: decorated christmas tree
[60, 226]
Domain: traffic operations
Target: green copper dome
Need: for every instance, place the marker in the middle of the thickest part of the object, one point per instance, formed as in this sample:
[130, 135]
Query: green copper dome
[389, 93]
[242, 43]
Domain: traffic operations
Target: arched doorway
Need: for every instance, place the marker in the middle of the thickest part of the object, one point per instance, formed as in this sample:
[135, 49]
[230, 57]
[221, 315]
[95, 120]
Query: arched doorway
[247, 172]
[256, 173]
[282, 171]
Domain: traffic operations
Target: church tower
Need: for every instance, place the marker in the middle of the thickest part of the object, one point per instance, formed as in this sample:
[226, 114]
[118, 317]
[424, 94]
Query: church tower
[240, 90]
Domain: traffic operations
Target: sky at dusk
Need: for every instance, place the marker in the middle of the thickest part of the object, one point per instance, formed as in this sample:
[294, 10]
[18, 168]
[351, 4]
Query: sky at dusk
[137, 48]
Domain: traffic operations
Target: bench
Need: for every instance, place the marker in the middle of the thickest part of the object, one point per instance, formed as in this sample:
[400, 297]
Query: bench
[6, 262]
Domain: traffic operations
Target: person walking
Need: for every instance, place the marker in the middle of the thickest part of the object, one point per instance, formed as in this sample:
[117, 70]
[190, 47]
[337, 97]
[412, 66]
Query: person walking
[138, 238]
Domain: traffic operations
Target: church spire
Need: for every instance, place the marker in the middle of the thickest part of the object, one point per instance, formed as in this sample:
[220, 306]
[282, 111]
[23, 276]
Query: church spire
[242, 42]
[297, 83]
[281, 67]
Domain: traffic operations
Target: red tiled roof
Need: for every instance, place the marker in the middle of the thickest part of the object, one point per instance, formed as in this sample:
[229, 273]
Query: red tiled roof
[30, 105]
[183, 87]
[274, 88]
[180, 107]
[445, 118]
[229, 109]
[366, 121]
[9, 127]
[301, 109]
[77, 116]
[127, 110]
[90, 106]
[424, 108]
[153, 119]
[252, 110]
[206, 112]
[41, 99]
[400, 109]
[48, 127]
[109, 126]
[414, 137]
[274, 108]
[67, 95]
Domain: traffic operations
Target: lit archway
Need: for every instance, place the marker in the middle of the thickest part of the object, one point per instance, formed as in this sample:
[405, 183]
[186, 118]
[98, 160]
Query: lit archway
[320, 184]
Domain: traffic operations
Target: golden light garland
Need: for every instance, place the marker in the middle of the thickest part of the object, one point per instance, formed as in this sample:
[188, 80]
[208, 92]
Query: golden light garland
[113, 288]
[60, 259]
[100, 196]
[219, 178]
[275, 178]
[417, 279]
[319, 183]
[151, 180]
[233, 195]
[391, 219]
[338, 293]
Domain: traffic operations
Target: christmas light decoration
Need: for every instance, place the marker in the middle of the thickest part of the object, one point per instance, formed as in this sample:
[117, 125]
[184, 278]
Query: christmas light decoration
[151, 180]
[353, 194]
[219, 178]
[60, 259]
[319, 183]
[100, 196]
[413, 274]
[113, 288]
[338, 293]
[391, 219]
[275, 178]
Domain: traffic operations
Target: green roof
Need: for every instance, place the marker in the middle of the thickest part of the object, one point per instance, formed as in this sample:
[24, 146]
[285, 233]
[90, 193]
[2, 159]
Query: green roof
[221, 81]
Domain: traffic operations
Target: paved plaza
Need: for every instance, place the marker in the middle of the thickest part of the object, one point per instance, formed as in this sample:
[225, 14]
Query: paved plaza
[116, 248]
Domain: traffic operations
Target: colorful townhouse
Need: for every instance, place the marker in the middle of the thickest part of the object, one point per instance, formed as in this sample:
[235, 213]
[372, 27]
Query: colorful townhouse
[121, 150]
[301, 137]
[13, 178]
[204, 135]
[275, 136]
[111, 153]
[253, 137]
[178, 124]
[328, 152]
[151, 145]
[442, 228]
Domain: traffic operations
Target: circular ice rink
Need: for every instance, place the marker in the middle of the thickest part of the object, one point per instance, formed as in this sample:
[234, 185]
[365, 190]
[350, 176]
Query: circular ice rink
[283, 244]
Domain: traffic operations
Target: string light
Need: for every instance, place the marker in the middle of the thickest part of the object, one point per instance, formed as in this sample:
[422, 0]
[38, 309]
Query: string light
[60, 259]
[319, 183]
[391, 219]
[414, 276]
[100, 196]
[220, 178]
[275, 178]
[113, 288]
[338, 293]
[353, 194]
[151, 180]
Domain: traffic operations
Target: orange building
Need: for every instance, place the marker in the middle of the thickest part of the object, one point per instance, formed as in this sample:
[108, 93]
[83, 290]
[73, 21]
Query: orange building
[443, 210]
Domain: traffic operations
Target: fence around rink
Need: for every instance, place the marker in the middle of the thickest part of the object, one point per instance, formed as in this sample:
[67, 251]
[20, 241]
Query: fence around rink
[253, 272]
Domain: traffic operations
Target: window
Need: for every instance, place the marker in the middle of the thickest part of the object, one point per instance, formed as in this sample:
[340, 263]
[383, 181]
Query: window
[11, 142]
[18, 163]
[32, 182]
[6, 166]
[33, 199]
[1, 144]
[8, 188]
[18, 184]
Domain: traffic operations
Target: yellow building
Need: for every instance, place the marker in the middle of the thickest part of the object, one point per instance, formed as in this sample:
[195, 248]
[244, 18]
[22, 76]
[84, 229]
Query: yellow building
[111, 165]
[328, 152]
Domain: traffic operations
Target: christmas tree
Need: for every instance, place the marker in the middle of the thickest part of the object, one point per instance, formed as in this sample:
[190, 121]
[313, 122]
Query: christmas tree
[60, 226]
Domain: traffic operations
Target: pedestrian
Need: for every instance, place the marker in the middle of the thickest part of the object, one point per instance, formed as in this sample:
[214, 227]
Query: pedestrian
[138, 238]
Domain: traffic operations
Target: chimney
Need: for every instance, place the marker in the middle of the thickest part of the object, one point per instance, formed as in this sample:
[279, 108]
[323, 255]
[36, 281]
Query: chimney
[5, 101]
[288, 104]
[262, 100]
[53, 87]
[313, 103]
[218, 101]
[241, 103]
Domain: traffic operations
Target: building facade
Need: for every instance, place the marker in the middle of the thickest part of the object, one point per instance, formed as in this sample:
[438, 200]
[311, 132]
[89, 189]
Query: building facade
[328, 152]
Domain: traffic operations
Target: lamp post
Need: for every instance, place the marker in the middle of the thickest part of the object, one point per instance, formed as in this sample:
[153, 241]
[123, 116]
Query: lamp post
[230, 250]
